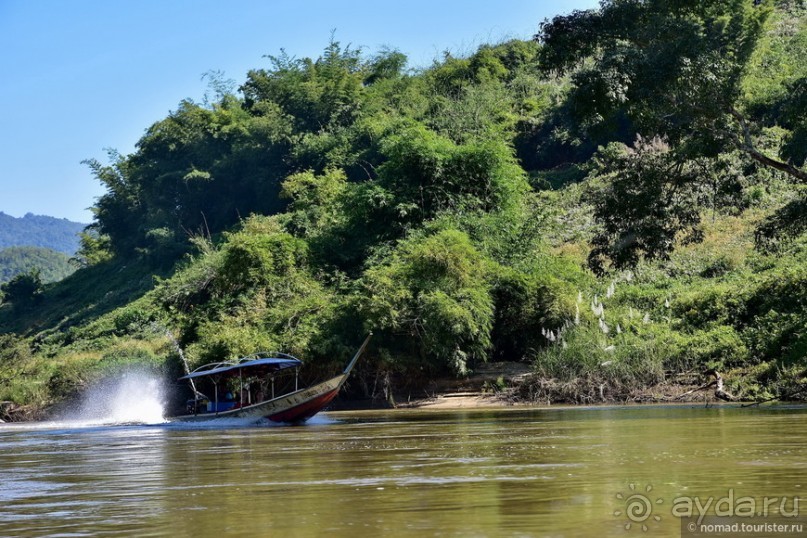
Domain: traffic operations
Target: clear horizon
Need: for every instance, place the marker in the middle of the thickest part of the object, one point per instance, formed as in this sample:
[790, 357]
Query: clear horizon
[87, 75]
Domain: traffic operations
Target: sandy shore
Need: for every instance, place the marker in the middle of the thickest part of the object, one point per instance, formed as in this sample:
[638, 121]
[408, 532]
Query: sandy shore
[460, 401]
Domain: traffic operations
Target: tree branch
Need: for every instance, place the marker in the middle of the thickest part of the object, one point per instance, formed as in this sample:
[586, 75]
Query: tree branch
[747, 145]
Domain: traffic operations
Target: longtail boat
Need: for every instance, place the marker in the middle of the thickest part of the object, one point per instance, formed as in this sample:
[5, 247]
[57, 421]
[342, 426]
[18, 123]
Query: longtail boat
[262, 385]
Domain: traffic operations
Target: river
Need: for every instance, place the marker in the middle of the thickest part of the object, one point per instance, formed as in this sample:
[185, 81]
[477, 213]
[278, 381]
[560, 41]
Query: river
[504, 472]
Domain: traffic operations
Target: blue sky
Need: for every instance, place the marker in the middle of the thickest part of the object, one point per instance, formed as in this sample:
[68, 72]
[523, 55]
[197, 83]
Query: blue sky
[80, 76]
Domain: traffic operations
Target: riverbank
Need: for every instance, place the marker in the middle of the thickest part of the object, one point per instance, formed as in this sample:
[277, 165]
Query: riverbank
[515, 384]
[501, 385]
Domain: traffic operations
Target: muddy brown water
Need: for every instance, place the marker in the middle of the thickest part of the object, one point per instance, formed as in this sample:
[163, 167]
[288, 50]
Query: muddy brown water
[486, 472]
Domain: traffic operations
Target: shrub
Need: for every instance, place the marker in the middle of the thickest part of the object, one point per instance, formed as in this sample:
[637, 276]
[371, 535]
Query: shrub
[715, 304]
[717, 348]
[588, 366]
[525, 304]
[132, 319]
[262, 250]
[23, 290]
[435, 291]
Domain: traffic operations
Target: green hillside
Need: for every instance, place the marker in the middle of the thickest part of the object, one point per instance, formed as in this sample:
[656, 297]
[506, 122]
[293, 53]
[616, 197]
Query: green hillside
[51, 265]
[619, 202]
[31, 230]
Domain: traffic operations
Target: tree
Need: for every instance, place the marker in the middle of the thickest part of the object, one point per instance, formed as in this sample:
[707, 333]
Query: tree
[429, 173]
[672, 70]
[23, 290]
[53, 266]
[119, 210]
[318, 94]
[648, 195]
[387, 64]
[433, 291]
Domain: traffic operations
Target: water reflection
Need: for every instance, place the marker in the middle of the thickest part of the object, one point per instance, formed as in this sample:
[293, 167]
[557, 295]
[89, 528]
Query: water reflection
[549, 472]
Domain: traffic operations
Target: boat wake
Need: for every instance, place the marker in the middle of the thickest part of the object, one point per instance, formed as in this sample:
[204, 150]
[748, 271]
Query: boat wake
[220, 424]
[74, 425]
[244, 422]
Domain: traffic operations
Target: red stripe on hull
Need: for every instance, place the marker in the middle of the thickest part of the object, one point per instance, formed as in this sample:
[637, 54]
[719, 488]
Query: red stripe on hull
[305, 410]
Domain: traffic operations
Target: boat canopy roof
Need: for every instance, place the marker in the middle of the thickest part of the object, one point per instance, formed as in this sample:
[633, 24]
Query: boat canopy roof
[256, 364]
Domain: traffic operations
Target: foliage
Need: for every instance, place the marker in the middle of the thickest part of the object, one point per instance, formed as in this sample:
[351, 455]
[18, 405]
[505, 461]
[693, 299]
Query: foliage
[648, 198]
[589, 370]
[257, 255]
[453, 211]
[23, 290]
[674, 71]
[31, 230]
[52, 265]
[434, 290]
[253, 290]
[528, 301]
[93, 248]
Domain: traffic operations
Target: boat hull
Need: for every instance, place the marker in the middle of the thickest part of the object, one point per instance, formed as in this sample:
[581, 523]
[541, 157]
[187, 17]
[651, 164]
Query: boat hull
[294, 407]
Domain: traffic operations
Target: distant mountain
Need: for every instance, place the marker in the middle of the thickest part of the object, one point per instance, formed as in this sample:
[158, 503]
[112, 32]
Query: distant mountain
[40, 231]
[52, 265]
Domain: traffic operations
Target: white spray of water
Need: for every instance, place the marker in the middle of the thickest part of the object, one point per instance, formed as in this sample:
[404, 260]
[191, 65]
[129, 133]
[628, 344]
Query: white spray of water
[133, 397]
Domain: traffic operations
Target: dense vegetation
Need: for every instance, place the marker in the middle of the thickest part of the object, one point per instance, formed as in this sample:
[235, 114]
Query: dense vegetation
[31, 230]
[51, 265]
[617, 201]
